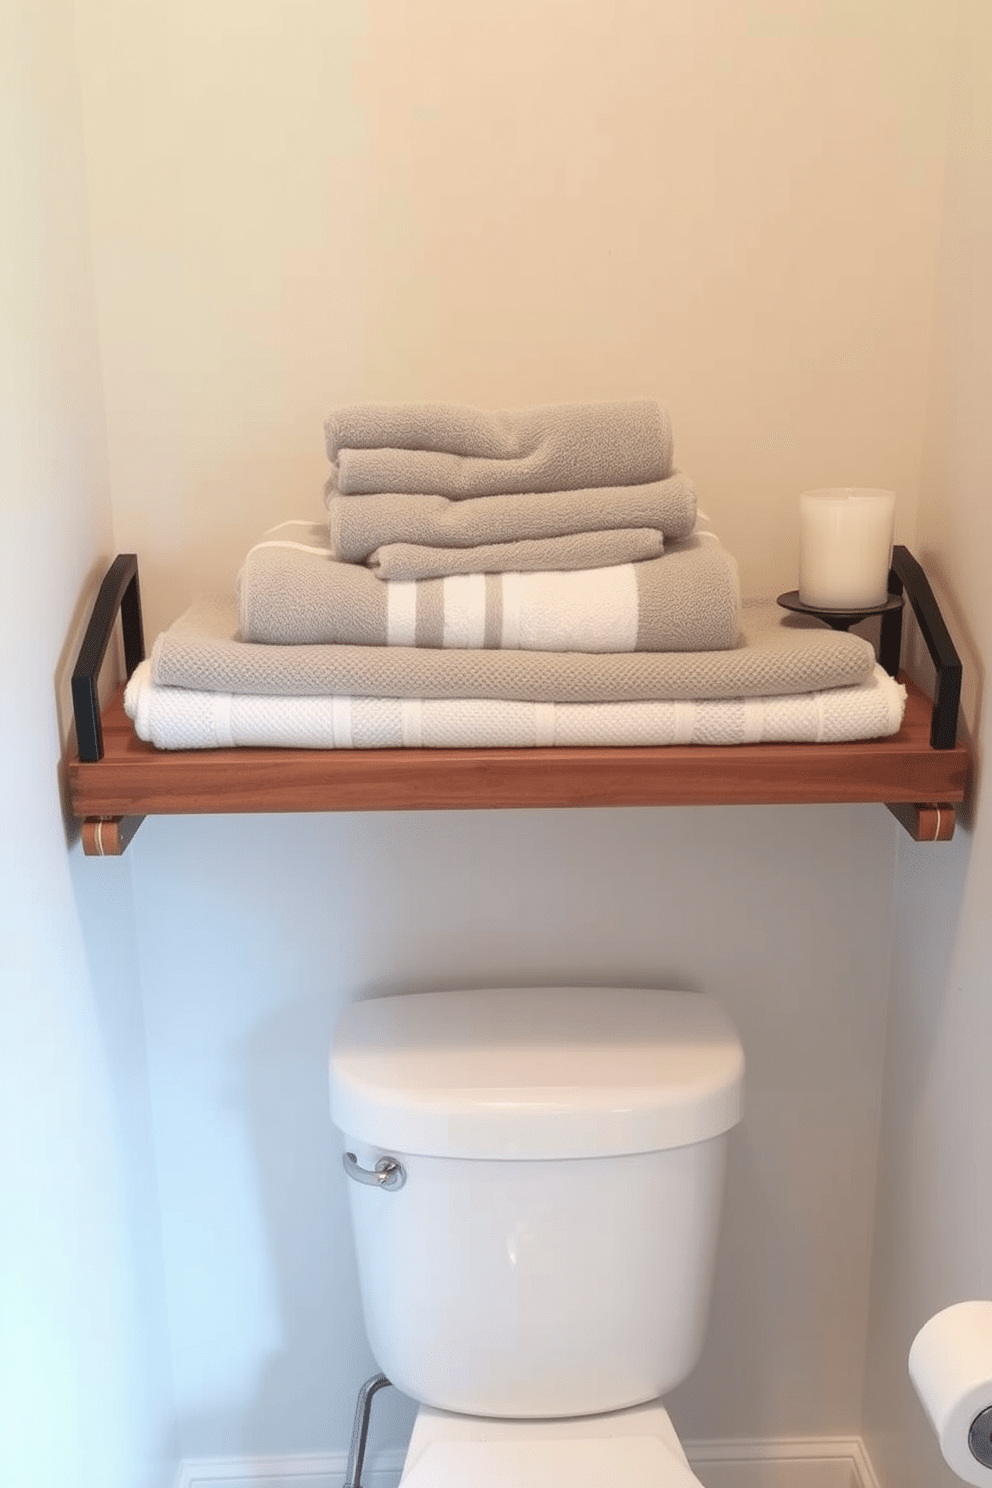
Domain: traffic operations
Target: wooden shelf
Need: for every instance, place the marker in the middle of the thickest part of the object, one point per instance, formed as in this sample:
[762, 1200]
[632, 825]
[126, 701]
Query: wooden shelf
[136, 779]
[116, 779]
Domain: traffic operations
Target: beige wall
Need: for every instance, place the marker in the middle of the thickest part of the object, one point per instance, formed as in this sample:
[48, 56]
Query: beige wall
[934, 1216]
[729, 206]
[733, 207]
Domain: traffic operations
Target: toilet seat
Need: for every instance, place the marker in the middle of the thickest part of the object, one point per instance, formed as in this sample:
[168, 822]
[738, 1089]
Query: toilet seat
[634, 1461]
[637, 1447]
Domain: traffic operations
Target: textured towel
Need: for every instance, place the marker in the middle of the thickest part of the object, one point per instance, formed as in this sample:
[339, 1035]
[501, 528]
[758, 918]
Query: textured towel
[452, 450]
[779, 653]
[174, 718]
[291, 591]
[583, 550]
[360, 524]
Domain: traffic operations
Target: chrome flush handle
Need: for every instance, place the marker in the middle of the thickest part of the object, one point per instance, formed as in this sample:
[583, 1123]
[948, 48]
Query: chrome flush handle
[388, 1172]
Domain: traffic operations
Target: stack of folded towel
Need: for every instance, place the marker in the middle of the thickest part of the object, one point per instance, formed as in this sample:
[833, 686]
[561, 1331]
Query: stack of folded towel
[530, 578]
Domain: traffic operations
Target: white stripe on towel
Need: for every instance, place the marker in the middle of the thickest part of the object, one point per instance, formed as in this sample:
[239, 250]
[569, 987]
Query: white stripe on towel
[341, 722]
[223, 731]
[754, 721]
[269, 541]
[413, 723]
[594, 609]
[401, 612]
[821, 720]
[297, 547]
[510, 639]
[684, 721]
[544, 725]
[464, 611]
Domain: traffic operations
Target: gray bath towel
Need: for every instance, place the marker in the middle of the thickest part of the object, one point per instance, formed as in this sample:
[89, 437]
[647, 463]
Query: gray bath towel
[452, 450]
[291, 590]
[581, 550]
[779, 653]
[360, 524]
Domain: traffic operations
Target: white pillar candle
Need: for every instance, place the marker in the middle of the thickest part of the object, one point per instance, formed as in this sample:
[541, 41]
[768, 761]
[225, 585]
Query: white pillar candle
[845, 547]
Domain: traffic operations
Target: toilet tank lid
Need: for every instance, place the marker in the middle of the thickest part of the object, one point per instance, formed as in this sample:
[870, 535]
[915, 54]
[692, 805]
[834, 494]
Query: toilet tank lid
[535, 1072]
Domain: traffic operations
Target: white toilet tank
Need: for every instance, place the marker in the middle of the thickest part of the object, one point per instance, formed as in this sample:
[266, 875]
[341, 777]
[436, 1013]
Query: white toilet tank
[548, 1249]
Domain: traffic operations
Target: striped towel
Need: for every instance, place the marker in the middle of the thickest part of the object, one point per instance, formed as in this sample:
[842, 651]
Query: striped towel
[292, 591]
[180, 718]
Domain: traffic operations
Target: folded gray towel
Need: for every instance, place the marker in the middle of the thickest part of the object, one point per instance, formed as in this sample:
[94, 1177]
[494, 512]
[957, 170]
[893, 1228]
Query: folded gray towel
[779, 653]
[451, 450]
[542, 554]
[292, 591]
[361, 524]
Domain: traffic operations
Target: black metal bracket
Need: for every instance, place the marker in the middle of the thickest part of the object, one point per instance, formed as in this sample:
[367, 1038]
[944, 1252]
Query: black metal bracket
[906, 573]
[118, 594]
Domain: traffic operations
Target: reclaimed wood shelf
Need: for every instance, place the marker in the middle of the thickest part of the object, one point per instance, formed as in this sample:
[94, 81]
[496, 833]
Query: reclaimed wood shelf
[124, 779]
[134, 778]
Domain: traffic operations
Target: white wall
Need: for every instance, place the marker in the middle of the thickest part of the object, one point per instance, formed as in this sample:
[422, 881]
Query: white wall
[934, 1218]
[252, 934]
[85, 1395]
[732, 207]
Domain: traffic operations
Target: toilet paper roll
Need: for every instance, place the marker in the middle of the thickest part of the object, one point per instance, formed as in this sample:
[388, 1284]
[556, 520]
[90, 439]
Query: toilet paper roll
[950, 1364]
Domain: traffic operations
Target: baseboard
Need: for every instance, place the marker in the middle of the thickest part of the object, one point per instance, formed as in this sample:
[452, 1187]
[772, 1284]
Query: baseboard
[828, 1462]
[813, 1462]
[300, 1470]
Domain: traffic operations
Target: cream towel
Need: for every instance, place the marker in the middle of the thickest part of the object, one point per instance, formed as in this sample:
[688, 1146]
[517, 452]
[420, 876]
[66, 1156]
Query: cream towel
[177, 718]
[360, 524]
[291, 591]
[453, 450]
[779, 653]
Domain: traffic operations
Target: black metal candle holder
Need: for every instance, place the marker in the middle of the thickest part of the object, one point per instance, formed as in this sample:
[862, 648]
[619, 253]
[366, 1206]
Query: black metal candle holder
[839, 619]
[906, 573]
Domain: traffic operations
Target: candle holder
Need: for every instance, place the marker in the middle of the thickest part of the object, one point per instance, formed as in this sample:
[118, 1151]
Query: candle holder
[838, 619]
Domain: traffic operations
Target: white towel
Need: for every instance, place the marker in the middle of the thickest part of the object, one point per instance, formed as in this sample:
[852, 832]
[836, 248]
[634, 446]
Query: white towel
[180, 718]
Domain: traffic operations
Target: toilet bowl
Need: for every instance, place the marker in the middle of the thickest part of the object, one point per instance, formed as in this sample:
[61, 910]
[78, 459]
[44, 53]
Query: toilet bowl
[537, 1176]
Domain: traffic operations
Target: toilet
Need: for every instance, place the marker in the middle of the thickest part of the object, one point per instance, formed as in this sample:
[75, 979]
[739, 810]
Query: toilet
[536, 1177]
